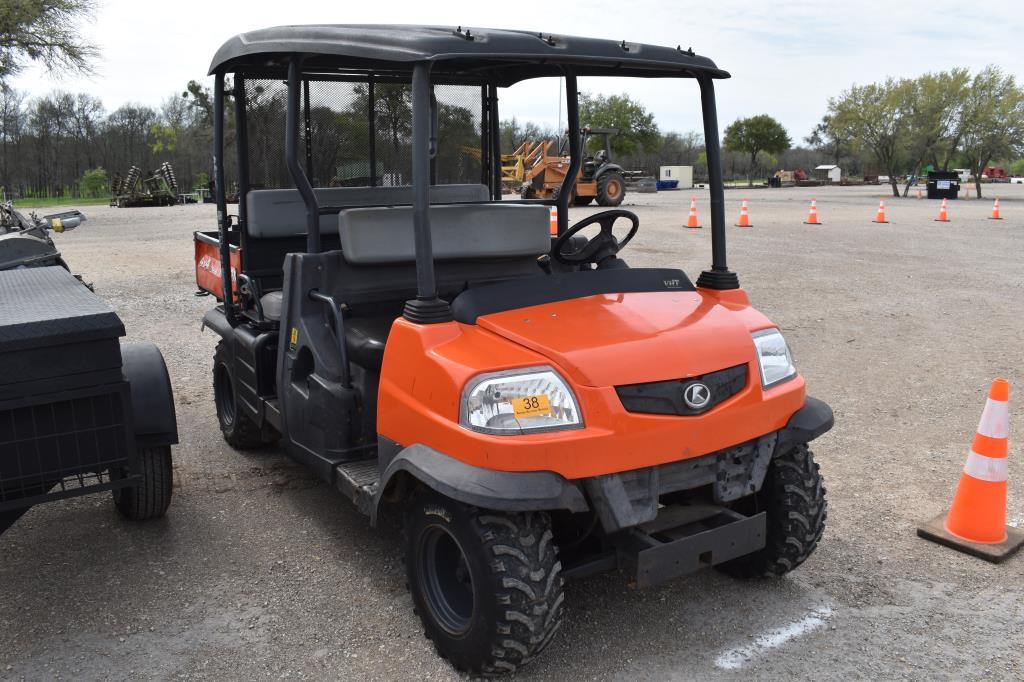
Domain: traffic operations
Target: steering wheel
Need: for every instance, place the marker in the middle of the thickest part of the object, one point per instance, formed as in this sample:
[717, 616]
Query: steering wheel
[601, 246]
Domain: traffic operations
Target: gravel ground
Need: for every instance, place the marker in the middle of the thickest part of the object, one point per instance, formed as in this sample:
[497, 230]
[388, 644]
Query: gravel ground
[260, 571]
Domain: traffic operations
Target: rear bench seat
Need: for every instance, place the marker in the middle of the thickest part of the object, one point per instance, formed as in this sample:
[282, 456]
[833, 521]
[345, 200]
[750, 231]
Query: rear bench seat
[272, 213]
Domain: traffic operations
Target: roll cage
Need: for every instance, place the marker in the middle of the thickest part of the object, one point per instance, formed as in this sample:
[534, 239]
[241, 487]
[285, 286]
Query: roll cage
[427, 57]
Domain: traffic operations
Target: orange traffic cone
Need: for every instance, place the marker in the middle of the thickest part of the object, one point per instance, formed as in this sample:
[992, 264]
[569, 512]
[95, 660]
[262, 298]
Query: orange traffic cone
[943, 213]
[995, 211]
[691, 220]
[812, 215]
[554, 220]
[880, 216]
[919, 195]
[976, 522]
[744, 216]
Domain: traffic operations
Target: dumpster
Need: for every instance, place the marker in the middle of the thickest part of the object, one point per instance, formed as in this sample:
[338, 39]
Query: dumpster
[943, 184]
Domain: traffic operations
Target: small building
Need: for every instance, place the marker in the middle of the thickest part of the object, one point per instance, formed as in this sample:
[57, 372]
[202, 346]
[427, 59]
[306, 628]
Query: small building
[684, 174]
[828, 173]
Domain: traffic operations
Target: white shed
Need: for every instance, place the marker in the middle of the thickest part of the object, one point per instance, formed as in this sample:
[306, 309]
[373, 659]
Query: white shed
[828, 173]
[684, 174]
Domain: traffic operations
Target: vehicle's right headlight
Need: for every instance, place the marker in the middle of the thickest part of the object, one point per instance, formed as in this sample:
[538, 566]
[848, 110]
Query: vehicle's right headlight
[526, 400]
[773, 357]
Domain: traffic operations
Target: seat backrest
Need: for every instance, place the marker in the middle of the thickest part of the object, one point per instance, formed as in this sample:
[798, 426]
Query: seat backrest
[384, 235]
[274, 213]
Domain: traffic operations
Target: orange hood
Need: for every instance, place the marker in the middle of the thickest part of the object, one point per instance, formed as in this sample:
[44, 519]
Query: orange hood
[615, 339]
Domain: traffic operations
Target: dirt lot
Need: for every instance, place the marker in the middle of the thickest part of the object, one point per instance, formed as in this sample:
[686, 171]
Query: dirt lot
[261, 571]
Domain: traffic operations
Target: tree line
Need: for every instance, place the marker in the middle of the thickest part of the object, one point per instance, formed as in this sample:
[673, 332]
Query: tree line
[68, 144]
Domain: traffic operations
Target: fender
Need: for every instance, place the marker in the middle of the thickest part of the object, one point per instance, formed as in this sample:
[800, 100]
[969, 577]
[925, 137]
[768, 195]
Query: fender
[487, 488]
[217, 321]
[806, 424]
[607, 167]
[143, 367]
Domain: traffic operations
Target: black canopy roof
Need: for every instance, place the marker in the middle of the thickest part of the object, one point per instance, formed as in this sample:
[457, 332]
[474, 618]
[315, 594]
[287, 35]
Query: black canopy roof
[497, 56]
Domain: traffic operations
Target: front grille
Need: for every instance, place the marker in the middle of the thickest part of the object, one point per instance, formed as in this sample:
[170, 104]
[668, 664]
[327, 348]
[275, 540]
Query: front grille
[666, 397]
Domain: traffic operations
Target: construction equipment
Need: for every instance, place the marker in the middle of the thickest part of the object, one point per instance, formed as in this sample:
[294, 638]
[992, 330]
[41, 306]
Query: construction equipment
[598, 178]
[158, 188]
[533, 408]
[25, 242]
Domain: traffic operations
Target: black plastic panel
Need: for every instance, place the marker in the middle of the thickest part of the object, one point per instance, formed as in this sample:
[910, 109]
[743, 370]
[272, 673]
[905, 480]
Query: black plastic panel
[666, 397]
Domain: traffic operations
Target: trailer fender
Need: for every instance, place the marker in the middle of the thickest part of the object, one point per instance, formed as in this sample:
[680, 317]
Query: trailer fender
[143, 367]
[485, 488]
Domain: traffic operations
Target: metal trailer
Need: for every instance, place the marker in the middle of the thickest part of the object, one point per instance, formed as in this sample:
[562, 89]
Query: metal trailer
[79, 412]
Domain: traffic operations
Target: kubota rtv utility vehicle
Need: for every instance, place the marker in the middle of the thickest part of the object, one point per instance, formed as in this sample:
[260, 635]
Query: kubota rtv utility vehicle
[532, 407]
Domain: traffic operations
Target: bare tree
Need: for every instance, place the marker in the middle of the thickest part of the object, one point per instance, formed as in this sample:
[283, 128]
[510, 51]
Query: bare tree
[45, 31]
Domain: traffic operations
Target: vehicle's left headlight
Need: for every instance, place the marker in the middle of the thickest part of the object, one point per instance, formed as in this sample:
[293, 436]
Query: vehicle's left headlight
[773, 357]
[526, 400]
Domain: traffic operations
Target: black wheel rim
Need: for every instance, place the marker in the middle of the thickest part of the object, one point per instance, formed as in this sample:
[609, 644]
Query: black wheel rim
[446, 579]
[225, 396]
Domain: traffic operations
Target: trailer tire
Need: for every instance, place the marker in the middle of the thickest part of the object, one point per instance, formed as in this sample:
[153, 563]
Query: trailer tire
[151, 497]
[611, 188]
[793, 497]
[239, 431]
[486, 585]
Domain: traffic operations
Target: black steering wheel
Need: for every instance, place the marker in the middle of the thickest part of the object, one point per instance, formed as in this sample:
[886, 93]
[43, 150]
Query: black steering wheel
[601, 246]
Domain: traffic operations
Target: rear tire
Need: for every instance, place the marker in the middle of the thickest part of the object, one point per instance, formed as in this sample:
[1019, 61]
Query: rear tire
[793, 497]
[239, 430]
[611, 188]
[485, 584]
[151, 497]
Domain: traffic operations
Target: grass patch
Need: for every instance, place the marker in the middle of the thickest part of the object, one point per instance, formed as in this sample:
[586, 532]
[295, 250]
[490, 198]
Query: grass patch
[59, 201]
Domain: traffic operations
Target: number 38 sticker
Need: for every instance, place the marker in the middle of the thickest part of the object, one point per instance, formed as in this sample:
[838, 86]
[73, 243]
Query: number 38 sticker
[531, 406]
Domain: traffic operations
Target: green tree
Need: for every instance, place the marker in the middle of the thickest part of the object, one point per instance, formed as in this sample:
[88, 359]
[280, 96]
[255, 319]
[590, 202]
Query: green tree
[876, 118]
[44, 31]
[93, 182]
[753, 135]
[828, 138]
[636, 126]
[165, 138]
[932, 103]
[993, 120]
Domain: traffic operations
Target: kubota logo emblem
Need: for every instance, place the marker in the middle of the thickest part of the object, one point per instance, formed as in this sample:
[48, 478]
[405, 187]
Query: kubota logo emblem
[696, 396]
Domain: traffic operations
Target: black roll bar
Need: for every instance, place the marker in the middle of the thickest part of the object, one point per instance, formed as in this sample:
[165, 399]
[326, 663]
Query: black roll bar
[426, 308]
[223, 222]
[572, 107]
[495, 132]
[291, 156]
[719, 277]
[242, 152]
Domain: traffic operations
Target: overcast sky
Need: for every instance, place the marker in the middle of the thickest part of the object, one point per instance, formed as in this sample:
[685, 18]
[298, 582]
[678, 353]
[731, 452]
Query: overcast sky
[787, 57]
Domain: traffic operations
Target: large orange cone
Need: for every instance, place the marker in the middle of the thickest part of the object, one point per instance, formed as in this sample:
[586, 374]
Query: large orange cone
[880, 216]
[995, 211]
[691, 220]
[943, 212]
[744, 216]
[812, 215]
[554, 220]
[976, 522]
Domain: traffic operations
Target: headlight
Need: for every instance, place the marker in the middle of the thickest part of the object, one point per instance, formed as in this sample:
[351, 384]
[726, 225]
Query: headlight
[773, 357]
[526, 400]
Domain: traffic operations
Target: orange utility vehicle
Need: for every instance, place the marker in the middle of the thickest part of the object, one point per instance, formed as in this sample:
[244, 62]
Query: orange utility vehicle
[529, 406]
